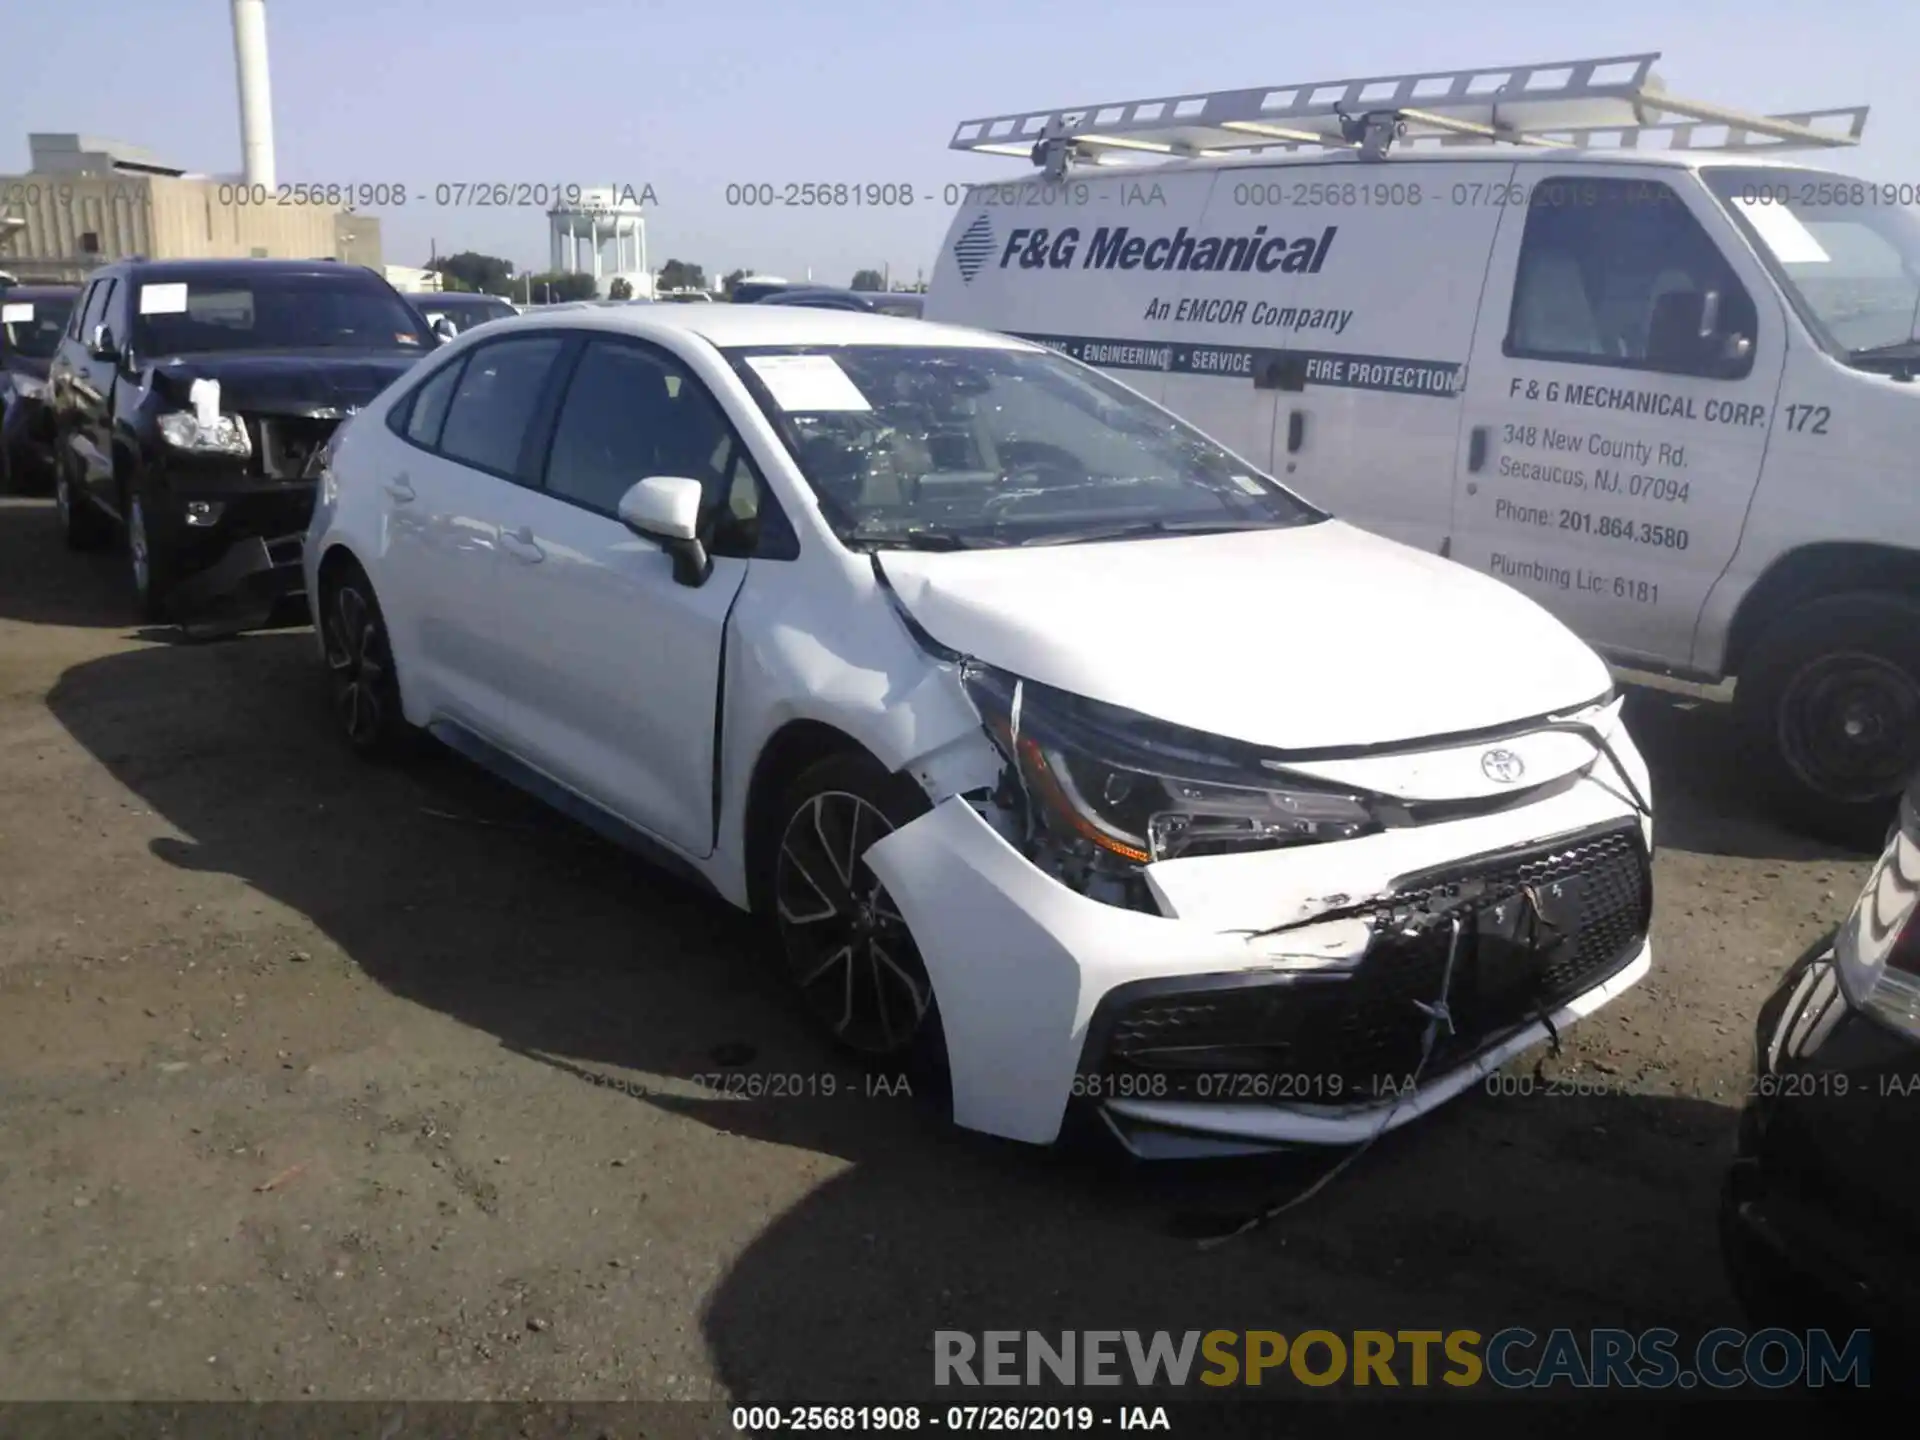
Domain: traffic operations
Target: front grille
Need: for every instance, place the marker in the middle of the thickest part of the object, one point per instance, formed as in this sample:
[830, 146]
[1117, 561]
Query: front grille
[1342, 1039]
[285, 444]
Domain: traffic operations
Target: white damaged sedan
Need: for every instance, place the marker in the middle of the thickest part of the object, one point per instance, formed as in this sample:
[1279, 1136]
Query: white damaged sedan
[1074, 765]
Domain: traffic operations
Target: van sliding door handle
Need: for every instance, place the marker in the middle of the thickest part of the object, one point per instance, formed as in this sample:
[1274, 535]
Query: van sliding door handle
[1296, 431]
[1476, 448]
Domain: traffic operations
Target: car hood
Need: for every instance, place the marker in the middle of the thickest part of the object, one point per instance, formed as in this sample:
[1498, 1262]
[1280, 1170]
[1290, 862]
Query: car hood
[26, 365]
[286, 382]
[1317, 637]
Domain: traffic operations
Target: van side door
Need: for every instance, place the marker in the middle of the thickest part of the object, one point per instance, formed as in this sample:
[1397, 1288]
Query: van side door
[1380, 335]
[1627, 359]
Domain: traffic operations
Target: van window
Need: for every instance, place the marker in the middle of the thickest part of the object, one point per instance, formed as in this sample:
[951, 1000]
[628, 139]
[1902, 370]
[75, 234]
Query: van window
[1847, 251]
[1619, 273]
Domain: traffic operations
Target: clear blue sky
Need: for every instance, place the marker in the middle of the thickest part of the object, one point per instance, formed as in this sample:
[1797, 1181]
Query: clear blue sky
[690, 97]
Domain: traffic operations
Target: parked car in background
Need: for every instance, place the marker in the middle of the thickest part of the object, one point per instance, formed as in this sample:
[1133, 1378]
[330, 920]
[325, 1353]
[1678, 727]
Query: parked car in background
[830, 611]
[463, 309]
[31, 319]
[1817, 1215]
[875, 302]
[190, 399]
[756, 288]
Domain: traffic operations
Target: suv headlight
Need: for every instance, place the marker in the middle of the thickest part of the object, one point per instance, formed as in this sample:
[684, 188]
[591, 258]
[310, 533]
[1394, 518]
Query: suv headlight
[1877, 952]
[226, 436]
[28, 387]
[1129, 788]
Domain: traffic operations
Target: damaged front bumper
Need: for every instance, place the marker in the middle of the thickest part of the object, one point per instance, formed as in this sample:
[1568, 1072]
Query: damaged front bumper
[244, 588]
[1282, 997]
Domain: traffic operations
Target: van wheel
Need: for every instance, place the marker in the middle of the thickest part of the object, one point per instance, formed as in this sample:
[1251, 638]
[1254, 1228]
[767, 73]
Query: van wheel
[843, 945]
[81, 525]
[1829, 707]
[361, 677]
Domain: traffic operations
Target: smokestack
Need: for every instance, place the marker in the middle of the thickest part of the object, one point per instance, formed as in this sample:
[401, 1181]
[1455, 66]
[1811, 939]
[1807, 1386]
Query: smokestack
[256, 96]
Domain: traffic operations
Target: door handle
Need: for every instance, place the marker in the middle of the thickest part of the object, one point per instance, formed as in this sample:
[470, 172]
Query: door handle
[400, 489]
[521, 545]
[1296, 430]
[1476, 448]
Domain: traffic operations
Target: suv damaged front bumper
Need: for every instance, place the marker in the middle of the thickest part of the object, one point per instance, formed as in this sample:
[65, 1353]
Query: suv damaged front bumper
[244, 588]
[1316, 995]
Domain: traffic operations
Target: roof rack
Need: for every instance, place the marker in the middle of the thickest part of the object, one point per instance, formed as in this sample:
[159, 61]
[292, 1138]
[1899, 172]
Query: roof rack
[1607, 103]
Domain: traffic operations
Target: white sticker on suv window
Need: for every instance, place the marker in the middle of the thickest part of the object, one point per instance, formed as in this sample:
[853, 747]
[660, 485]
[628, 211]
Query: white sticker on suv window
[803, 383]
[18, 313]
[163, 299]
[1791, 242]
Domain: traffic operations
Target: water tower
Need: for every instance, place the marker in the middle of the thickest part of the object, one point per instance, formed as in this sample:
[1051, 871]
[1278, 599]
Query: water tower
[580, 233]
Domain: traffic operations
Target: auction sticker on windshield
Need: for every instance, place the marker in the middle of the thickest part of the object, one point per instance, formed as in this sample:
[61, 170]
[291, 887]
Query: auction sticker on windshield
[15, 314]
[807, 383]
[163, 299]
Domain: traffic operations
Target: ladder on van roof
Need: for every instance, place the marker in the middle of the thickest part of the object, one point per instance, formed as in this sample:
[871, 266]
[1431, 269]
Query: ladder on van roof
[1609, 103]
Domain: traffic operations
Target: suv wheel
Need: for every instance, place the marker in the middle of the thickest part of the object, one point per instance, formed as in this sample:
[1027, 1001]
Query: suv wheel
[83, 527]
[360, 671]
[845, 947]
[150, 560]
[1830, 708]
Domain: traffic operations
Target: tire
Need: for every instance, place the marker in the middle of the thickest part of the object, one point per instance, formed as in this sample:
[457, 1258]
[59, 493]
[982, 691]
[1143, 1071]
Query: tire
[152, 563]
[82, 526]
[1828, 707]
[363, 683]
[889, 1020]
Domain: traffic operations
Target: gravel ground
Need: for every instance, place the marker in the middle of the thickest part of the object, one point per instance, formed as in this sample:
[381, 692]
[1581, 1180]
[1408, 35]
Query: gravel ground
[320, 1081]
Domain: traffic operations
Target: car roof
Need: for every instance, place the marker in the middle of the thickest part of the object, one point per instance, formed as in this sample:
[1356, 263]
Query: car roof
[231, 268]
[822, 291]
[39, 292]
[735, 326]
[456, 297]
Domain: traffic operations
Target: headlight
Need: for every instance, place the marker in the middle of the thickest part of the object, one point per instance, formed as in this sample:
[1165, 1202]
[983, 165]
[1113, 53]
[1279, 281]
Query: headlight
[28, 387]
[1130, 789]
[1877, 952]
[226, 436]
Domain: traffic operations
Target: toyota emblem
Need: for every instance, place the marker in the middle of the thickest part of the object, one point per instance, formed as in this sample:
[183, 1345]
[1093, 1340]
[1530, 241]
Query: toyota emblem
[1503, 767]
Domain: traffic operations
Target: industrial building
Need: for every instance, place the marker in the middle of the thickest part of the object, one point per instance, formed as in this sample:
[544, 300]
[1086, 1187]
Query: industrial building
[85, 201]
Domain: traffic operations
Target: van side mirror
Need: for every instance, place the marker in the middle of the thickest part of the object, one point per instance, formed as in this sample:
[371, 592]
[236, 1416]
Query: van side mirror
[101, 344]
[666, 510]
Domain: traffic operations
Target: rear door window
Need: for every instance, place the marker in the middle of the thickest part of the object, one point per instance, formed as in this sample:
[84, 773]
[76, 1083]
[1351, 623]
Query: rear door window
[495, 398]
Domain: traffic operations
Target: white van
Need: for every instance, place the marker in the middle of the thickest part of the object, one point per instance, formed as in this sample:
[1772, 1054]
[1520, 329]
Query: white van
[1668, 392]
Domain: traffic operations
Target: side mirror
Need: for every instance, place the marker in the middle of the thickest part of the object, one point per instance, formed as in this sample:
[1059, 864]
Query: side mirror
[100, 344]
[666, 509]
[444, 328]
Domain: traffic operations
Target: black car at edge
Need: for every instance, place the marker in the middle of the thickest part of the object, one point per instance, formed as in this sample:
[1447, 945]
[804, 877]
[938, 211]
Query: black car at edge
[1820, 1216]
[191, 399]
[32, 318]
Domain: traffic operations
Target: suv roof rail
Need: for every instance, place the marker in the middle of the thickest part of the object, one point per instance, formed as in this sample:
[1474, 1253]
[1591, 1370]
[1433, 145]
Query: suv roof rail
[1607, 103]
